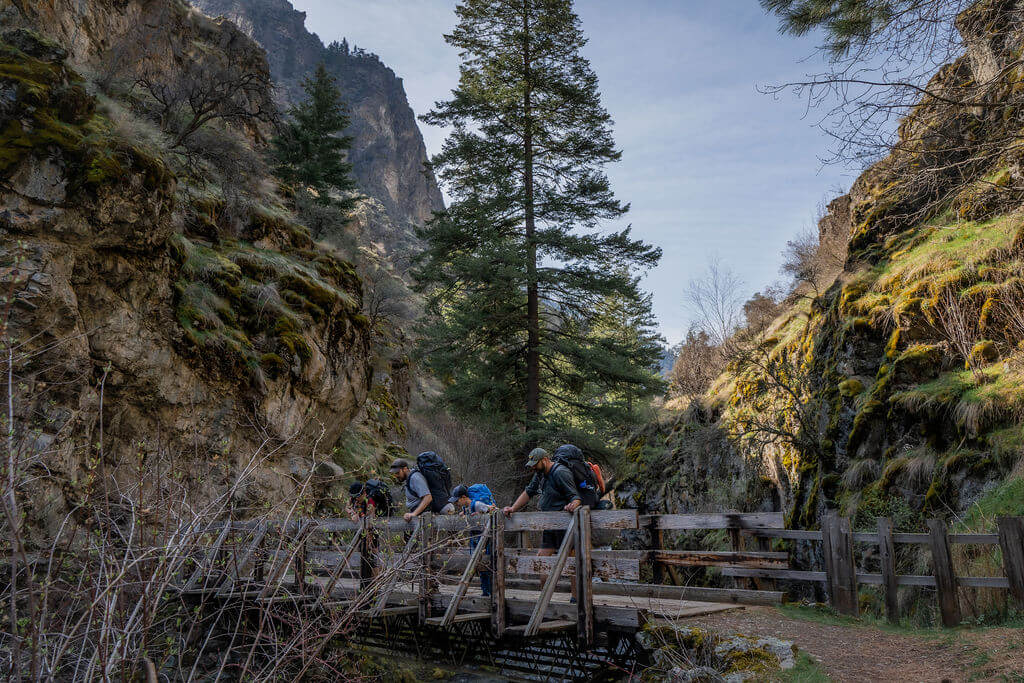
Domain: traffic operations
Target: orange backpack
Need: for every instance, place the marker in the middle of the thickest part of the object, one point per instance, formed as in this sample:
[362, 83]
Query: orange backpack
[600, 479]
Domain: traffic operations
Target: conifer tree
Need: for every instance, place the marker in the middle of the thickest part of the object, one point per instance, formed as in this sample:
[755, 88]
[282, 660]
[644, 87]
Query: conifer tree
[517, 265]
[309, 151]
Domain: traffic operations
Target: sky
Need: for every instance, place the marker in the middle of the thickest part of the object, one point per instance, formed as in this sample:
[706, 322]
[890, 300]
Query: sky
[713, 168]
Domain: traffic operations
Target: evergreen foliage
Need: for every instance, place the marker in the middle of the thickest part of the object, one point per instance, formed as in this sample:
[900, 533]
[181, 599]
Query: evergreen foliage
[309, 151]
[523, 286]
[846, 23]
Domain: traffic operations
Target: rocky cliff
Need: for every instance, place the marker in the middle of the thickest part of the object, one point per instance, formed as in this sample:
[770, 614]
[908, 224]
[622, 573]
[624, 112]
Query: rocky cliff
[898, 390]
[163, 305]
[387, 152]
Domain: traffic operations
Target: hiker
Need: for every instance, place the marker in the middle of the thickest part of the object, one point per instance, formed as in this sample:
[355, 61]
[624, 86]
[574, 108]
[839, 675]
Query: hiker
[426, 486]
[371, 498]
[474, 500]
[558, 491]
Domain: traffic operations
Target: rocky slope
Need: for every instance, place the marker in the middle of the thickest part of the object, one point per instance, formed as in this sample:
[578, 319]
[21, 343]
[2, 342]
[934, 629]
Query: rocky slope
[387, 152]
[898, 391]
[162, 317]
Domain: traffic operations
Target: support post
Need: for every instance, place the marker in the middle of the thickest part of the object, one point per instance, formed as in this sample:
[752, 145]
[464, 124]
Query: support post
[427, 587]
[1011, 542]
[887, 557]
[840, 570]
[498, 574]
[657, 543]
[945, 579]
[367, 554]
[584, 582]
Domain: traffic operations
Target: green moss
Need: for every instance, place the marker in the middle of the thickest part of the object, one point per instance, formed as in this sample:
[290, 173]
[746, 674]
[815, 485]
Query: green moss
[233, 293]
[1005, 500]
[851, 388]
[984, 351]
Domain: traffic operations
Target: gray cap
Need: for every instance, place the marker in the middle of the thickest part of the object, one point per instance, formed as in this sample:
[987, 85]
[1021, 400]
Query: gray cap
[398, 463]
[536, 455]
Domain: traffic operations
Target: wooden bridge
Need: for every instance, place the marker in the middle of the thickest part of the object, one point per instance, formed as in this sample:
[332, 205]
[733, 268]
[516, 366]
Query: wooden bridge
[414, 583]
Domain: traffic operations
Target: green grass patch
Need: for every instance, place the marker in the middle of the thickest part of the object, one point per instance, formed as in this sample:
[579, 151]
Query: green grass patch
[806, 670]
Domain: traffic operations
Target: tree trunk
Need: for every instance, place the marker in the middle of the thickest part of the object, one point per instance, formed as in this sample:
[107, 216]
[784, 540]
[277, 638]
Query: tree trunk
[532, 295]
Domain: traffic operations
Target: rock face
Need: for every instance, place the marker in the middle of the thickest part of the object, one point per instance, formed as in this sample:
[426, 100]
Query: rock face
[154, 327]
[387, 151]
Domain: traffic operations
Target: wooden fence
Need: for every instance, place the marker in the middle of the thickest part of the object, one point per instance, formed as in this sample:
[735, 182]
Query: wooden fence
[619, 571]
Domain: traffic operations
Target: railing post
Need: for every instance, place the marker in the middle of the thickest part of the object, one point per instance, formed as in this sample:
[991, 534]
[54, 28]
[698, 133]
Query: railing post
[584, 581]
[427, 587]
[945, 579]
[657, 540]
[887, 556]
[840, 570]
[367, 554]
[498, 573]
[1011, 542]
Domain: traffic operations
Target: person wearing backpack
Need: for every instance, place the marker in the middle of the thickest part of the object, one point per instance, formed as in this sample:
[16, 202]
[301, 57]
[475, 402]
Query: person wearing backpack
[371, 498]
[426, 486]
[474, 500]
[557, 489]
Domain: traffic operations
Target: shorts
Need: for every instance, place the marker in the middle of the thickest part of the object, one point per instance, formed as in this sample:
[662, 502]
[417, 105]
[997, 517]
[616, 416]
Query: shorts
[552, 539]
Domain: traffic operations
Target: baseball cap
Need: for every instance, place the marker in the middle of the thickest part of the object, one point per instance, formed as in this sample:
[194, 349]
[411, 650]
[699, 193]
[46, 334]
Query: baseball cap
[398, 463]
[536, 455]
[458, 492]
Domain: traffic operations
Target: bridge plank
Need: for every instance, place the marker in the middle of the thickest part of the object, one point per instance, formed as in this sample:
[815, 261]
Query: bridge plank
[556, 625]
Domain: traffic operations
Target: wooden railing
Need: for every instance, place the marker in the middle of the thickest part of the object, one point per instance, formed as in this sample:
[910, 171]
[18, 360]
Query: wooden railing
[432, 562]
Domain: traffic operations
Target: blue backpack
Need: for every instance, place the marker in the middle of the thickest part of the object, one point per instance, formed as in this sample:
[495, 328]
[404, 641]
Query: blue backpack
[480, 493]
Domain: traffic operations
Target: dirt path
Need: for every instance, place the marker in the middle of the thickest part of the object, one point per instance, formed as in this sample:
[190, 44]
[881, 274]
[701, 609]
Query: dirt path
[855, 653]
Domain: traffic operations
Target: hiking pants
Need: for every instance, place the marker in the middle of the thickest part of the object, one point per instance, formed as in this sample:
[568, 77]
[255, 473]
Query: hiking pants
[485, 574]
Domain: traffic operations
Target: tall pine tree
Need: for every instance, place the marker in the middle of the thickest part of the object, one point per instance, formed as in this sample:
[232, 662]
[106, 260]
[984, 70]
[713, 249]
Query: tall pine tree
[309, 151]
[516, 268]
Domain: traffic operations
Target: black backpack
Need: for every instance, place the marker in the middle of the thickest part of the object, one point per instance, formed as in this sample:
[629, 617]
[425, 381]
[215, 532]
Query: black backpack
[586, 481]
[378, 492]
[438, 476]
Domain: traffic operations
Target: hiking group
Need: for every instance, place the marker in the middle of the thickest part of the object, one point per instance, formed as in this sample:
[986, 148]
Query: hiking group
[564, 481]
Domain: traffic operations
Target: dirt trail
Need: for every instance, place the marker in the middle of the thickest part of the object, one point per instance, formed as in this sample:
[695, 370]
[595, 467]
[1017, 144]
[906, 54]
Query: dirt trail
[858, 654]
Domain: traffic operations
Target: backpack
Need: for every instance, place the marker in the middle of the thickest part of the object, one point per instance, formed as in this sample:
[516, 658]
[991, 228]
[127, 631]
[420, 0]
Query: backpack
[586, 481]
[438, 476]
[378, 492]
[601, 488]
[479, 493]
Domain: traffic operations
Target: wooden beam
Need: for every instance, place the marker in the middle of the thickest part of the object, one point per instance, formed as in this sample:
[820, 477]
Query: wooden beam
[556, 521]
[544, 627]
[721, 520]
[788, 574]
[1011, 542]
[584, 580]
[240, 568]
[368, 544]
[607, 568]
[549, 587]
[945, 579]
[467, 575]
[427, 585]
[206, 564]
[733, 596]
[497, 601]
[700, 558]
[887, 558]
